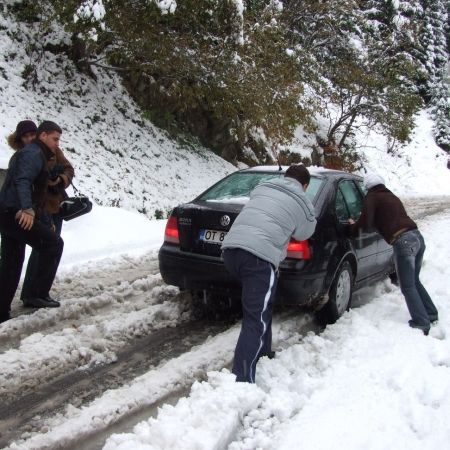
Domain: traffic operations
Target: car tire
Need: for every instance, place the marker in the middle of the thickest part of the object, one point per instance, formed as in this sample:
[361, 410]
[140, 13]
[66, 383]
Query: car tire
[340, 295]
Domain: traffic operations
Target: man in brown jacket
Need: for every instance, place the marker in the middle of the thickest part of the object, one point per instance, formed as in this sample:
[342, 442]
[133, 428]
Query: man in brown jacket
[60, 174]
[385, 212]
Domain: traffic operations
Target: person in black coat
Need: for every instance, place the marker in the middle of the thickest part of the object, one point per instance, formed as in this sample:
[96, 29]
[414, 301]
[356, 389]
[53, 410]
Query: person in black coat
[23, 221]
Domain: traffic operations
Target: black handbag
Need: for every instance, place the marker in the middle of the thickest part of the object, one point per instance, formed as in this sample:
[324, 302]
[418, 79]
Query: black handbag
[73, 207]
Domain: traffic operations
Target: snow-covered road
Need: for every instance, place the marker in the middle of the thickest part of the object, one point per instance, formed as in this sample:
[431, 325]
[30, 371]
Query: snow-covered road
[123, 341]
[367, 382]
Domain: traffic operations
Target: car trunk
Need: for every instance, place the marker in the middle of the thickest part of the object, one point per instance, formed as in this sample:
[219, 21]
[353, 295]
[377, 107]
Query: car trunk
[202, 225]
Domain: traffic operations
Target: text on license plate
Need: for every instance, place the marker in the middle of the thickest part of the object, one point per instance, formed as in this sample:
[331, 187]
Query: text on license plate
[212, 236]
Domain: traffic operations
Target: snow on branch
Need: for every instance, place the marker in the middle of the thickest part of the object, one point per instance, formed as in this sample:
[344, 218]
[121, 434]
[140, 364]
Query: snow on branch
[166, 6]
[239, 5]
[90, 10]
[93, 12]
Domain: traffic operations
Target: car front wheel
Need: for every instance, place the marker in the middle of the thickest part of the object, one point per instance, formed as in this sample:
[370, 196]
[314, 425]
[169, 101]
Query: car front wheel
[340, 295]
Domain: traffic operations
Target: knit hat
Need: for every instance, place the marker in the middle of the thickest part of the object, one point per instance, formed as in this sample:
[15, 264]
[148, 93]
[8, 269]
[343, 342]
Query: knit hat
[372, 179]
[24, 127]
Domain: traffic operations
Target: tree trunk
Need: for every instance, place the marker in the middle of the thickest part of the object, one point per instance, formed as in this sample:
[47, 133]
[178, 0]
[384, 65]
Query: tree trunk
[347, 129]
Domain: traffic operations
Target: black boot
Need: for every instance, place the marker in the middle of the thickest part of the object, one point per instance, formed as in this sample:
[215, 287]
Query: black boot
[41, 302]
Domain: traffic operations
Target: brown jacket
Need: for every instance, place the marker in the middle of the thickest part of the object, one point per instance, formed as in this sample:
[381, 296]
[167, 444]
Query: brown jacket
[56, 194]
[385, 212]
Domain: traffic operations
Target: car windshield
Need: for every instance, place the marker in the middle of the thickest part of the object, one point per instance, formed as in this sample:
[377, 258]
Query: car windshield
[237, 187]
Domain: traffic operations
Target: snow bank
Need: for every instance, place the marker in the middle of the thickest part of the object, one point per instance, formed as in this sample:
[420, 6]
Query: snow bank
[109, 232]
[220, 398]
[366, 382]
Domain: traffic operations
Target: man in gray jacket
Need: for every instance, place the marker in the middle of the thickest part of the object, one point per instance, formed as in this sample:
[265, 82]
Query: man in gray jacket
[252, 251]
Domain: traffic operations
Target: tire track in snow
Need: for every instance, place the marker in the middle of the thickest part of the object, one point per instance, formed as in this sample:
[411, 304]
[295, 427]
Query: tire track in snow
[75, 312]
[84, 386]
[95, 278]
[41, 358]
[78, 427]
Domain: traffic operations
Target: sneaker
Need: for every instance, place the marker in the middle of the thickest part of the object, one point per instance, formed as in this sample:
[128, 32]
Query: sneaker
[41, 303]
[424, 328]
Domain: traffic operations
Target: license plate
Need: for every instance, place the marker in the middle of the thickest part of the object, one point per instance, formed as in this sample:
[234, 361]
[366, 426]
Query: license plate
[212, 236]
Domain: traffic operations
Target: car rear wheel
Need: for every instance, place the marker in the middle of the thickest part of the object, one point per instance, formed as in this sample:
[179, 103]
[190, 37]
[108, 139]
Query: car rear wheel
[340, 295]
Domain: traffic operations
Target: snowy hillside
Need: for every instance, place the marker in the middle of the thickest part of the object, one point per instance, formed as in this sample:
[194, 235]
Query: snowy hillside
[120, 158]
[416, 168]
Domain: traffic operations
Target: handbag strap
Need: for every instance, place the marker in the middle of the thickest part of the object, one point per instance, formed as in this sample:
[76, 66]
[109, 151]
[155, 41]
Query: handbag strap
[76, 191]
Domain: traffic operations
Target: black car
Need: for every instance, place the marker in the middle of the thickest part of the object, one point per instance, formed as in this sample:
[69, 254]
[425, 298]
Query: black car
[321, 272]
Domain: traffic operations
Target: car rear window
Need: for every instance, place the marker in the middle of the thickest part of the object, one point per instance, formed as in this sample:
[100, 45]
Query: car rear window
[237, 187]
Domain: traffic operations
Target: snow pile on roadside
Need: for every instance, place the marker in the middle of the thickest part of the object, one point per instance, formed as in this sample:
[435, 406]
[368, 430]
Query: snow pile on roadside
[220, 398]
[109, 232]
[367, 381]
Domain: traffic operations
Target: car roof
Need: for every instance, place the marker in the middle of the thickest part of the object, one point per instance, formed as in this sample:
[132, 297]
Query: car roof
[313, 170]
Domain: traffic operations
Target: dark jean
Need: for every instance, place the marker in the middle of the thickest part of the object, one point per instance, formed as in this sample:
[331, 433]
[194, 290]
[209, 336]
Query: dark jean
[12, 253]
[408, 254]
[259, 282]
[33, 261]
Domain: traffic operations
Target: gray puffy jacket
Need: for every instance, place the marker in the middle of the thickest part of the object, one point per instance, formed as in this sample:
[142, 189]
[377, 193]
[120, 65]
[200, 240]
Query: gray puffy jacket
[277, 210]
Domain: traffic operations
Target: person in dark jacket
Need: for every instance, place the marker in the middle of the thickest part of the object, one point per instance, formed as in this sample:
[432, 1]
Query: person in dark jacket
[23, 221]
[252, 251]
[383, 211]
[61, 173]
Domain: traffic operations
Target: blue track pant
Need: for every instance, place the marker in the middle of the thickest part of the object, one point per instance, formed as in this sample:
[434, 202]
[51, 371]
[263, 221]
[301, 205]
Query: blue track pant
[259, 280]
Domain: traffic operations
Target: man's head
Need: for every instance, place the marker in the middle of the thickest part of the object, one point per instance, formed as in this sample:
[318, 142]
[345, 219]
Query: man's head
[300, 173]
[372, 179]
[49, 133]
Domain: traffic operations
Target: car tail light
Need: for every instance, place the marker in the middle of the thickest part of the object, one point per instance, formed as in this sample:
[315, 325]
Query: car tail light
[171, 233]
[298, 250]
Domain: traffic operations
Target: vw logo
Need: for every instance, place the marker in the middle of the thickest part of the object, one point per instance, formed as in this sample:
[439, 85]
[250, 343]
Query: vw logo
[225, 221]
